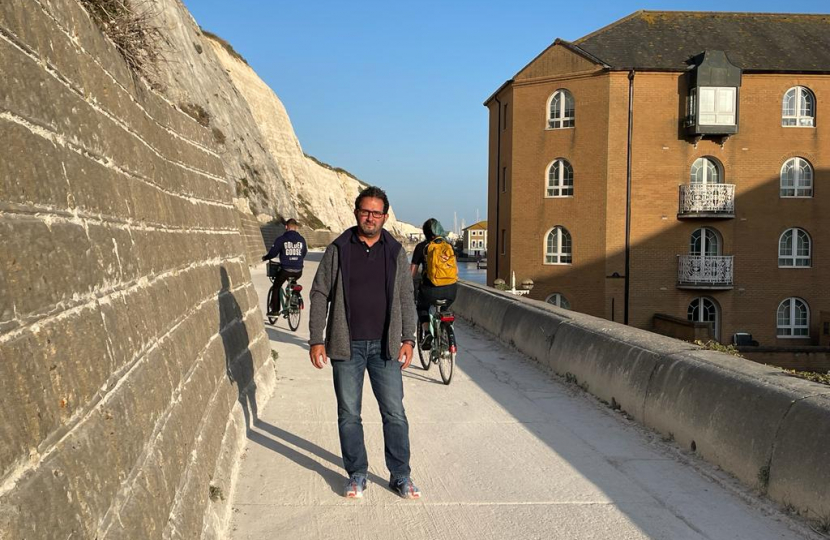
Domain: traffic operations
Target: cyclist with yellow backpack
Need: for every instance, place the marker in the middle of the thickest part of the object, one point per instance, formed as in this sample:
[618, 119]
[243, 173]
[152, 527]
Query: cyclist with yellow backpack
[439, 274]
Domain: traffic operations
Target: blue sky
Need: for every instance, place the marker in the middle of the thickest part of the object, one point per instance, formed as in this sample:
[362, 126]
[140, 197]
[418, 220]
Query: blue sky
[392, 91]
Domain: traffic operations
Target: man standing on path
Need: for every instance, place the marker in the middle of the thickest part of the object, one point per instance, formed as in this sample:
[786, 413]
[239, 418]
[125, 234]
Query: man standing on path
[364, 287]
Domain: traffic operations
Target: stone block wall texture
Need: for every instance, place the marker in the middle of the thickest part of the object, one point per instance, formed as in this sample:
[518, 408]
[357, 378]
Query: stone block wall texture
[129, 327]
[255, 246]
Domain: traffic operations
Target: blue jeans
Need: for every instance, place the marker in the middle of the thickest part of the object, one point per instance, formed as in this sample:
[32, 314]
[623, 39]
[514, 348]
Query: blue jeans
[387, 385]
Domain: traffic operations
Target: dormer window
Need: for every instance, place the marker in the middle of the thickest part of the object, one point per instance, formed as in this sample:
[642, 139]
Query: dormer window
[717, 106]
[713, 96]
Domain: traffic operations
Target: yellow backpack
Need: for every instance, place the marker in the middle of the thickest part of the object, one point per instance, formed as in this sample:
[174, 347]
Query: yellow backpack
[441, 268]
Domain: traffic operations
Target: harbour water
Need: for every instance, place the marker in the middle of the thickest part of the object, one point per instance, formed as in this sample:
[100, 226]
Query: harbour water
[468, 272]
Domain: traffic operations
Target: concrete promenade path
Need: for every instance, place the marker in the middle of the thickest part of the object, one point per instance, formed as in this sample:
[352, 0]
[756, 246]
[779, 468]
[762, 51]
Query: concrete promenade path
[507, 451]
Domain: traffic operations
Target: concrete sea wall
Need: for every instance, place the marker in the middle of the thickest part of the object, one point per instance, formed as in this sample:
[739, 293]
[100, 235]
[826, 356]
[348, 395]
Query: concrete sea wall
[770, 430]
[132, 349]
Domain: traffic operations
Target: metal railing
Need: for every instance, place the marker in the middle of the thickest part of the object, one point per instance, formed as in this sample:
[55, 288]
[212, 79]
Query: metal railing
[705, 270]
[707, 199]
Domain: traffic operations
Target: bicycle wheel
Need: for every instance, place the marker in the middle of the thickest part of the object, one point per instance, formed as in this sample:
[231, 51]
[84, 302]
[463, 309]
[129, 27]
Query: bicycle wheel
[271, 320]
[422, 354]
[294, 312]
[446, 352]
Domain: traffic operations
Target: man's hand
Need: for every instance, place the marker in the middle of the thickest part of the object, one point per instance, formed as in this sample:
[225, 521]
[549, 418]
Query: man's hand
[318, 355]
[405, 354]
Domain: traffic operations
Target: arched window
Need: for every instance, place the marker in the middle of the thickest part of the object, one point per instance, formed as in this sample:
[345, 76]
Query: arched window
[558, 246]
[797, 178]
[705, 242]
[793, 318]
[561, 110]
[560, 179]
[794, 249]
[798, 108]
[558, 300]
[705, 171]
[705, 310]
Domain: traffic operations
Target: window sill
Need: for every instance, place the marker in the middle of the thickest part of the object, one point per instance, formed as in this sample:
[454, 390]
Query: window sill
[558, 196]
[792, 337]
[559, 129]
[802, 127]
[557, 264]
[795, 197]
[795, 267]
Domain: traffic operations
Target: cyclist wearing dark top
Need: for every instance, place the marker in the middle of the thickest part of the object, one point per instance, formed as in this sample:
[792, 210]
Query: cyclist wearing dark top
[428, 293]
[291, 248]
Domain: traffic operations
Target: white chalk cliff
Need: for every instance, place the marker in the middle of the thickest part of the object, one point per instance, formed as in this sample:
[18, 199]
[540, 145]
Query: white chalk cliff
[264, 162]
[322, 196]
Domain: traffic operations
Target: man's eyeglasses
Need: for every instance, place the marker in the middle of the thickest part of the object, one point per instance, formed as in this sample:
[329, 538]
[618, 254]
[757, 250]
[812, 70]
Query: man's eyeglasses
[377, 214]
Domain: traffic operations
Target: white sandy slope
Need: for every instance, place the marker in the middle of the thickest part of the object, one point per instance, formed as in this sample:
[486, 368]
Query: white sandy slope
[315, 190]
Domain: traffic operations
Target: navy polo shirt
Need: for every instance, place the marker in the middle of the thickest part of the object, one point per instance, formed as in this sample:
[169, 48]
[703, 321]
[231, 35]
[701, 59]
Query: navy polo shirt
[367, 289]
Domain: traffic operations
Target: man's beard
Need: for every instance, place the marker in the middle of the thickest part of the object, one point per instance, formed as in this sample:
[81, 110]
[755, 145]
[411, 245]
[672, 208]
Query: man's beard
[370, 230]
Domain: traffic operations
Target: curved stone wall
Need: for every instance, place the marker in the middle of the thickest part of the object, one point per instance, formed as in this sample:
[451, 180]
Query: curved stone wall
[129, 328]
[770, 430]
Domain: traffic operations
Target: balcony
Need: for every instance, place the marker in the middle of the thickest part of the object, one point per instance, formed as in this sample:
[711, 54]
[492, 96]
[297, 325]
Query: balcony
[704, 272]
[707, 201]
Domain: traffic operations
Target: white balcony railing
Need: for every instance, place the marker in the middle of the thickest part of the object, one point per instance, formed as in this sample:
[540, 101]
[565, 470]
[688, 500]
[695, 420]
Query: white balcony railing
[707, 199]
[701, 270]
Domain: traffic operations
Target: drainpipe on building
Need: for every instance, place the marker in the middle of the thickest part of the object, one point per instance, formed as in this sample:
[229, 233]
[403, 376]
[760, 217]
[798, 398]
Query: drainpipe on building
[498, 190]
[628, 197]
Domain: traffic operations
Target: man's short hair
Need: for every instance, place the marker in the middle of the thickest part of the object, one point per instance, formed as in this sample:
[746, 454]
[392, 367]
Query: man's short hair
[291, 223]
[375, 193]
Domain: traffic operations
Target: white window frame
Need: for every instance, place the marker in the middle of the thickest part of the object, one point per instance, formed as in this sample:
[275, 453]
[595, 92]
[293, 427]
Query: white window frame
[802, 112]
[788, 329]
[559, 118]
[717, 106]
[558, 300]
[701, 300]
[802, 187]
[704, 162]
[791, 260]
[558, 255]
[556, 187]
[708, 236]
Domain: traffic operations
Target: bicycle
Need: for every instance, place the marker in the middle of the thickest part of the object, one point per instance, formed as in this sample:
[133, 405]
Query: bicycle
[443, 348]
[291, 298]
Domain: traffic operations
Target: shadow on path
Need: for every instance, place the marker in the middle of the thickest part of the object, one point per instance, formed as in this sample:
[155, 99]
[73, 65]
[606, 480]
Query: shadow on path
[285, 336]
[279, 441]
[410, 374]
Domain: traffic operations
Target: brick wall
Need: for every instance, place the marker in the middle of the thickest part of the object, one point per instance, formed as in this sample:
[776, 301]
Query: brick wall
[662, 157]
[125, 298]
[752, 161]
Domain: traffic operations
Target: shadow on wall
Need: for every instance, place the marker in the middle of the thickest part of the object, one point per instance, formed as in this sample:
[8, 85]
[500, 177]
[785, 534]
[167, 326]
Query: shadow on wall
[659, 237]
[239, 362]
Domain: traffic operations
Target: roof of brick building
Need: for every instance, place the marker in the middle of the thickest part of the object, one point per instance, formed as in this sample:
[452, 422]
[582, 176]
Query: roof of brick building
[668, 40]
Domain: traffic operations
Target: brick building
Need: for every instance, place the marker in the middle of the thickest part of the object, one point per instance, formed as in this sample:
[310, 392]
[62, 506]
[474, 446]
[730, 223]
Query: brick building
[668, 171]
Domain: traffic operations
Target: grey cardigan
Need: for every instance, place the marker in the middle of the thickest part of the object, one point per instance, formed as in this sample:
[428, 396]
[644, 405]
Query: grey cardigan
[329, 310]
